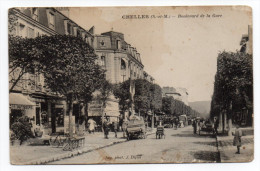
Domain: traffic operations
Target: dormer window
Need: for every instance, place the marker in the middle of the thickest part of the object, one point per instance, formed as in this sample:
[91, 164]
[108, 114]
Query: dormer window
[51, 21]
[69, 28]
[118, 44]
[78, 33]
[35, 14]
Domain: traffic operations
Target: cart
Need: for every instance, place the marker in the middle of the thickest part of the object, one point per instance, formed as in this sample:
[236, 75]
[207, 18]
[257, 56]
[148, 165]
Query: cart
[207, 128]
[160, 132]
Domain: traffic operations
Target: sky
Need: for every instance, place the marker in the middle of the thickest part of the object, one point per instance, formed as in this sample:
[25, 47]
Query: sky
[176, 51]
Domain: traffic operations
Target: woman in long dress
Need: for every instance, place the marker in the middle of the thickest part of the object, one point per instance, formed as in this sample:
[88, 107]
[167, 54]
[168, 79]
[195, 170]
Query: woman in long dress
[237, 138]
[91, 127]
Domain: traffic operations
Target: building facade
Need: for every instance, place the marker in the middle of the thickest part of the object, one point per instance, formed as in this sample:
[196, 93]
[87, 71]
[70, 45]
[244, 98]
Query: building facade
[117, 57]
[30, 96]
[180, 94]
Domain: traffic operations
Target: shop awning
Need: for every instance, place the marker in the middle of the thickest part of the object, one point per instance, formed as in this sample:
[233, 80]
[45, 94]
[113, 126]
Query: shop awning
[19, 101]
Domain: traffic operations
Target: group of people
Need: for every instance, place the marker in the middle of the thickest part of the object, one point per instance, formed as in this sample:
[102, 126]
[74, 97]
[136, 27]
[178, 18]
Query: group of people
[201, 123]
[107, 127]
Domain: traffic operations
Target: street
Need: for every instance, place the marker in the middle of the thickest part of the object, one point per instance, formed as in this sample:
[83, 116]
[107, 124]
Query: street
[179, 146]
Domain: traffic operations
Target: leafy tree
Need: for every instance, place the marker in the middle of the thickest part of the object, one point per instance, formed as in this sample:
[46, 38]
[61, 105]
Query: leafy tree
[23, 58]
[121, 91]
[233, 87]
[104, 93]
[147, 96]
[69, 67]
[67, 63]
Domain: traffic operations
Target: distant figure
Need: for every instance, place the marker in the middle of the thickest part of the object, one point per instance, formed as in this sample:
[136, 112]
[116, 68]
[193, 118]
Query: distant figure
[124, 126]
[215, 125]
[106, 128]
[91, 128]
[237, 138]
[194, 124]
[114, 126]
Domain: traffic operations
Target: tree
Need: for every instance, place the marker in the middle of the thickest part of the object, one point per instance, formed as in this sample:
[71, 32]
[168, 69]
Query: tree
[147, 96]
[121, 91]
[23, 58]
[70, 68]
[105, 91]
[67, 63]
[233, 87]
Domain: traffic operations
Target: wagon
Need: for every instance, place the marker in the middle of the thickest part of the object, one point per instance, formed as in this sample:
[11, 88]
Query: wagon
[160, 132]
[136, 128]
[207, 128]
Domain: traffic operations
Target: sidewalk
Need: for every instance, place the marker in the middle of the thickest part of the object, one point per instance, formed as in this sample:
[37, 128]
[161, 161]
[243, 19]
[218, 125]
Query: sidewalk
[228, 151]
[31, 155]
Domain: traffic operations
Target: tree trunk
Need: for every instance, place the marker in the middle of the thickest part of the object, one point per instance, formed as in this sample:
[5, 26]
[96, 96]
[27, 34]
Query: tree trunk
[230, 126]
[224, 121]
[102, 119]
[221, 120]
[70, 119]
[152, 120]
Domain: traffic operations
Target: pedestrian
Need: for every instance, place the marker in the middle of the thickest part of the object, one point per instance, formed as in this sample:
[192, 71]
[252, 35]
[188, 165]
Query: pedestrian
[124, 126]
[215, 125]
[91, 128]
[114, 125]
[194, 124]
[106, 128]
[237, 138]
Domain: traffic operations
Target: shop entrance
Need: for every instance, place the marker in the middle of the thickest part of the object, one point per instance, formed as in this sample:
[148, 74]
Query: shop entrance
[15, 114]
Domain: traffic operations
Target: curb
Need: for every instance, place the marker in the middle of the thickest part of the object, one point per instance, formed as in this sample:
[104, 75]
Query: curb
[70, 154]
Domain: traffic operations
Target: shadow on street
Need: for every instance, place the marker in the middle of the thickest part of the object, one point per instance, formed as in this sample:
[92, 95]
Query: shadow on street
[207, 156]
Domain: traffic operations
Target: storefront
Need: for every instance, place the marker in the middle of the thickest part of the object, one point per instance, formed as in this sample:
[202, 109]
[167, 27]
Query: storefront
[111, 111]
[49, 112]
[20, 105]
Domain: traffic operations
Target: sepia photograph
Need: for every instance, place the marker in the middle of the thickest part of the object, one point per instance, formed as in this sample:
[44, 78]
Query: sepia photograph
[130, 85]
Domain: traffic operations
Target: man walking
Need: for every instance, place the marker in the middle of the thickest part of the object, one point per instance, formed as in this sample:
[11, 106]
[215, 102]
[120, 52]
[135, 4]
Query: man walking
[194, 124]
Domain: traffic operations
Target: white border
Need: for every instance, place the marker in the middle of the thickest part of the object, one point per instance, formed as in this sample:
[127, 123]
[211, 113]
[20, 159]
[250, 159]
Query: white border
[4, 133]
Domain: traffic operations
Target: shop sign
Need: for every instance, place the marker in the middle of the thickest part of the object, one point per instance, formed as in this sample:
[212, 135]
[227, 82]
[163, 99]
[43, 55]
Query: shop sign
[59, 105]
[20, 107]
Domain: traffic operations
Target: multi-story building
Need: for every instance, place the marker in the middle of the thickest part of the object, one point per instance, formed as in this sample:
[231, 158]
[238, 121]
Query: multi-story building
[30, 96]
[121, 61]
[119, 58]
[180, 94]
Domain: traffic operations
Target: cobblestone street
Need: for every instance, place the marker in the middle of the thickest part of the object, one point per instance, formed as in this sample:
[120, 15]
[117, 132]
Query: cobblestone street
[179, 146]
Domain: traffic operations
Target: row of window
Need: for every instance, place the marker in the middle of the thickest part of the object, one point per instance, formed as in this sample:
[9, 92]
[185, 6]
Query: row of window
[51, 23]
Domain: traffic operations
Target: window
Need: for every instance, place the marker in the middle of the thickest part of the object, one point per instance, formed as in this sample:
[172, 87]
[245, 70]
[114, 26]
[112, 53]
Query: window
[51, 21]
[102, 43]
[123, 65]
[69, 28]
[21, 30]
[78, 33]
[35, 14]
[30, 33]
[103, 61]
[118, 45]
